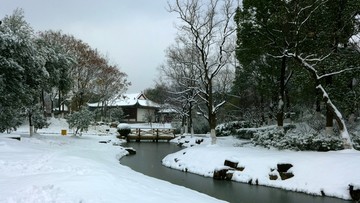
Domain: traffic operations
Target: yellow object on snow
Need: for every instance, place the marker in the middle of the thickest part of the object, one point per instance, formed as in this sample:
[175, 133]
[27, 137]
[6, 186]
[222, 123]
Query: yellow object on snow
[63, 132]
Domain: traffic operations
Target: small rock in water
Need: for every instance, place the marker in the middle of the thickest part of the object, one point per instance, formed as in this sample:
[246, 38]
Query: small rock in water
[354, 193]
[131, 151]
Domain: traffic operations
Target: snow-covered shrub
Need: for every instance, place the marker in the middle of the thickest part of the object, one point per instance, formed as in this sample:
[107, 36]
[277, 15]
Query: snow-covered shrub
[80, 120]
[240, 128]
[268, 138]
[246, 133]
[123, 129]
[297, 140]
[354, 130]
[39, 121]
[244, 129]
[355, 137]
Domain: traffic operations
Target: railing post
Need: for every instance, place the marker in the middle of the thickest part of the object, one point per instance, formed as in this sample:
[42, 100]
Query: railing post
[157, 135]
[138, 139]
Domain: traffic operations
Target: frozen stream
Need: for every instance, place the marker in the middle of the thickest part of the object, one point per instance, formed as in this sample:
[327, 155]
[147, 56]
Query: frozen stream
[148, 161]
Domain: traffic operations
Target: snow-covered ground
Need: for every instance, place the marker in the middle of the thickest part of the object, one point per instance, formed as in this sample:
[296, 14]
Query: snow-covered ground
[329, 172]
[53, 168]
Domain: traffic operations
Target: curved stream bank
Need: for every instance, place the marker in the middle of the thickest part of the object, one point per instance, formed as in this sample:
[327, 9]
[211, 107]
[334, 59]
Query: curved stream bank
[148, 161]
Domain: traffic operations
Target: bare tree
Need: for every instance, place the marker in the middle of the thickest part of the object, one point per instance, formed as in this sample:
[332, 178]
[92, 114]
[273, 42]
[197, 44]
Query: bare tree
[208, 27]
[181, 75]
[109, 84]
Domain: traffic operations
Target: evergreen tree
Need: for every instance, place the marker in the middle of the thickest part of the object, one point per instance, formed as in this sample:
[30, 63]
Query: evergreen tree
[39, 119]
[264, 34]
[59, 62]
[158, 94]
[316, 34]
[267, 30]
[21, 72]
[80, 120]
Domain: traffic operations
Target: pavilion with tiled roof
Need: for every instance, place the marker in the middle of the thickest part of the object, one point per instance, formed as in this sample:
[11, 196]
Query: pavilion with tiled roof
[136, 107]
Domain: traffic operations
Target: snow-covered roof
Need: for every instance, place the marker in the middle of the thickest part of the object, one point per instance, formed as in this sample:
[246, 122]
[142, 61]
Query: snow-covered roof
[129, 100]
[168, 110]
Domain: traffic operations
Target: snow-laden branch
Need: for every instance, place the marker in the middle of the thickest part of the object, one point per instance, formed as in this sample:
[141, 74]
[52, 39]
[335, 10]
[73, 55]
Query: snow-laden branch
[334, 73]
[304, 62]
[288, 78]
[203, 113]
[310, 67]
[218, 106]
[202, 92]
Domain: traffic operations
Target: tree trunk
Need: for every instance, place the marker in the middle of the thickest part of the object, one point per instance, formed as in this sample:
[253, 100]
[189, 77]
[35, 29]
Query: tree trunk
[191, 120]
[339, 119]
[329, 113]
[59, 102]
[52, 107]
[43, 108]
[183, 120]
[212, 123]
[280, 110]
[211, 113]
[31, 126]
[329, 121]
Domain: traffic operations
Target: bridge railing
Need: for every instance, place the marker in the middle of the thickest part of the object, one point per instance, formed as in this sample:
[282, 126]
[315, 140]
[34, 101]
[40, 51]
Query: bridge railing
[154, 133]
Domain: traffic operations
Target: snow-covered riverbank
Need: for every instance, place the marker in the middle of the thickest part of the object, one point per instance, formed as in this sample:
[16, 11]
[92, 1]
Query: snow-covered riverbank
[54, 168]
[318, 173]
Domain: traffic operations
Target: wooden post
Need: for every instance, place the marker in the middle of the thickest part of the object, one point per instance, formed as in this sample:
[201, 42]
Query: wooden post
[157, 135]
[138, 139]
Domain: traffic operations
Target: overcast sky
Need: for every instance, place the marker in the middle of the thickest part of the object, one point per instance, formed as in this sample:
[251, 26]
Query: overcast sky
[132, 33]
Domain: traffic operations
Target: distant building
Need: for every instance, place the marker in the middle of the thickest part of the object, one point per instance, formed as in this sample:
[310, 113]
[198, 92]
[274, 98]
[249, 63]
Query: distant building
[136, 107]
[167, 115]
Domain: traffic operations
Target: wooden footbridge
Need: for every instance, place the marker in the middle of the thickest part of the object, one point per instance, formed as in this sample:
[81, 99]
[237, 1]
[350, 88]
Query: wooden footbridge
[154, 134]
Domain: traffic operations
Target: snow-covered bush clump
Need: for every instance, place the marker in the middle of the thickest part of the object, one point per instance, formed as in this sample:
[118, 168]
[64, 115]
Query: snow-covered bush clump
[354, 130]
[39, 121]
[242, 129]
[356, 139]
[80, 120]
[297, 140]
[123, 129]
[245, 129]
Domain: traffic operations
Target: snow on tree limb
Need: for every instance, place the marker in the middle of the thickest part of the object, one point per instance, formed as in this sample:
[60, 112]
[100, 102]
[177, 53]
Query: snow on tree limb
[334, 73]
[310, 67]
[218, 106]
